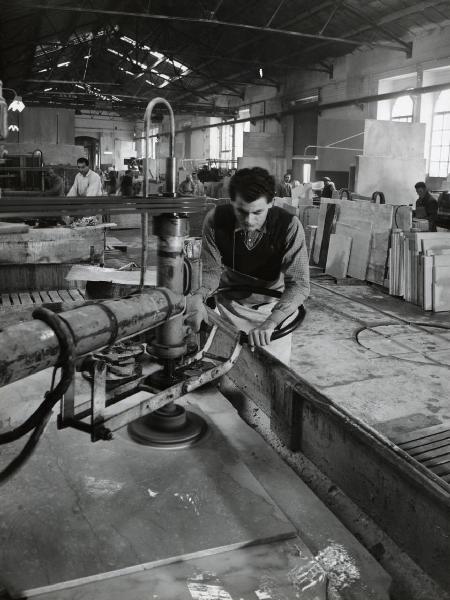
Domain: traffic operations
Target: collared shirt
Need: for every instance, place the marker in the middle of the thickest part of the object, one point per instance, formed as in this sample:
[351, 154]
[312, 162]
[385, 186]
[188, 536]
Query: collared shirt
[86, 185]
[293, 281]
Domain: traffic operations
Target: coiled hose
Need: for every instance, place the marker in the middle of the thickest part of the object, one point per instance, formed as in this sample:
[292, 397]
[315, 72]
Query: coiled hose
[280, 331]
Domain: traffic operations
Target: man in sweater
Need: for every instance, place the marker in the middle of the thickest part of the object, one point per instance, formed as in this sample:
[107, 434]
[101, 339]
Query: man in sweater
[252, 243]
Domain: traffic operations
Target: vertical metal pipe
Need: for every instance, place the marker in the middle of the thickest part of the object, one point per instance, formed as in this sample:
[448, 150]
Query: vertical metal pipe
[170, 182]
[144, 248]
[172, 231]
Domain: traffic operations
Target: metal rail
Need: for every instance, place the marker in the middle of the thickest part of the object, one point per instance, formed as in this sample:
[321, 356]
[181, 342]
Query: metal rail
[34, 206]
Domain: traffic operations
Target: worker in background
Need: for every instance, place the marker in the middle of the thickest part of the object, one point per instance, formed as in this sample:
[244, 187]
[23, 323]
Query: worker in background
[190, 186]
[252, 243]
[199, 188]
[87, 182]
[328, 188]
[426, 205]
[54, 184]
[285, 188]
[111, 182]
[126, 184]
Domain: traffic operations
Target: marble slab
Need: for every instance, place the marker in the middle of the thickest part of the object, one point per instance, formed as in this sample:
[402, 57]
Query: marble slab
[338, 255]
[280, 571]
[359, 255]
[78, 509]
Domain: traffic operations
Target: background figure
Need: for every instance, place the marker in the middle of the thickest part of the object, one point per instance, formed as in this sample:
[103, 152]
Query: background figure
[426, 205]
[191, 186]
[102, 177]
[87, 182]
[328, 188]
[111, 182]
[126, 184]
[54, 184]
[284, 189]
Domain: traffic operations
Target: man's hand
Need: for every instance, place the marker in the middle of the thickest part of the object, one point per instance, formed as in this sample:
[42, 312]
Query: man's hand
[260, 336]
[195, 312]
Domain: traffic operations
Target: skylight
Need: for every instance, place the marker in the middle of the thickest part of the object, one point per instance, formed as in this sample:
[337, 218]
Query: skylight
[161, 59]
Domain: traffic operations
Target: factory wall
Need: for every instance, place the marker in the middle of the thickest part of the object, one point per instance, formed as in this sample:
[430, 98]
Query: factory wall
[357, 74]
[50, 130]
[115, 134]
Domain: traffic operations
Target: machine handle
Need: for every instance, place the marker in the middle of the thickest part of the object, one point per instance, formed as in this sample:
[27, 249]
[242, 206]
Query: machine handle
[379, 195]
[280, 331]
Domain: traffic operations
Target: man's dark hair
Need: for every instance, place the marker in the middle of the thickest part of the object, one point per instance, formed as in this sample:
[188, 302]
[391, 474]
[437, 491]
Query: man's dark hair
[421, 184]
[251, 184]
[83, 161]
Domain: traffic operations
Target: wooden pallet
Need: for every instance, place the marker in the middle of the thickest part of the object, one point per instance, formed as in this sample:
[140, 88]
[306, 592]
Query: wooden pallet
[21, 300]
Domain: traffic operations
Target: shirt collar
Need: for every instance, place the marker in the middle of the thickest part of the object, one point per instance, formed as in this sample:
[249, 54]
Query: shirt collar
[263, 229]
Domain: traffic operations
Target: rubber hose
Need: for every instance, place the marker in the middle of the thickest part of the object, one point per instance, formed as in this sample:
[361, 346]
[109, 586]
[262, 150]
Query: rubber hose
[279, 331]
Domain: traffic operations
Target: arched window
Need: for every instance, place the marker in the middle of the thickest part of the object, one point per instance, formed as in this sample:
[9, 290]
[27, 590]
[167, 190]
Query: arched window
[440, 137]
[403, 109]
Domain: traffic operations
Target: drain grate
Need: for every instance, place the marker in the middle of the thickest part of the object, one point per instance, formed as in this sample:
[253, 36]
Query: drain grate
[430, 447]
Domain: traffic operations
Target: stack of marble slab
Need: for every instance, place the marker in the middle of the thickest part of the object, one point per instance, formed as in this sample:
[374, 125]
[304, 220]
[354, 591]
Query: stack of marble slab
[420, 268]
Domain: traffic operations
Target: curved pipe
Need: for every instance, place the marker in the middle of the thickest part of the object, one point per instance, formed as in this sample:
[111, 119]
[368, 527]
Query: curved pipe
[147, 122]
[170, 174]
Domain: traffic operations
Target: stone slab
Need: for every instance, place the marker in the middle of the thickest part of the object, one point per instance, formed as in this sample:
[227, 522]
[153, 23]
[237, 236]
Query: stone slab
[280, 570]
[78, 509]
[338, 255]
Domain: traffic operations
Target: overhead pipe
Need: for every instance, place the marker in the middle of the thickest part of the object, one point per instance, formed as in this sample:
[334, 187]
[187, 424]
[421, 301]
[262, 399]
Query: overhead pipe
[321, 107]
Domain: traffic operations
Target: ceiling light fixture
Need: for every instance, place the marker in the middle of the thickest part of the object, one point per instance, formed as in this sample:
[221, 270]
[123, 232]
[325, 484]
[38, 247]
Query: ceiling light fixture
[17, 104]
[261, 74]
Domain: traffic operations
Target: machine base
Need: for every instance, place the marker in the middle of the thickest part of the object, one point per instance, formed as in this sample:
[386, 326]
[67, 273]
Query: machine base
[169, 429]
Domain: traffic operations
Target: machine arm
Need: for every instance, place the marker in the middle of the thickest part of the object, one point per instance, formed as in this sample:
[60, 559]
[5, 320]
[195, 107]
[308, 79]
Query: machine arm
[30, 347]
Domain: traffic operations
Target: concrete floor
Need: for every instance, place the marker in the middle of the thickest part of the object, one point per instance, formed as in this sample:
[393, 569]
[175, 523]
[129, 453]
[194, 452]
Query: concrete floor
[357, 346]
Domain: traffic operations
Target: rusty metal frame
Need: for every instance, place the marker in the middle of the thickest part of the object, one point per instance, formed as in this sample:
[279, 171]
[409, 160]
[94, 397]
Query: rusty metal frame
[103, 412]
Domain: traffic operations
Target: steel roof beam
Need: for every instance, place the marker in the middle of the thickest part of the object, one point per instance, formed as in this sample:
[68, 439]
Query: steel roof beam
[406, 46]
[197, 21]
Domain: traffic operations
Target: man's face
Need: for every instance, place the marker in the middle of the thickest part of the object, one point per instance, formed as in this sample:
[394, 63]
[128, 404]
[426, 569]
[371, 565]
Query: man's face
[251, 215]
[82, 168]
[421, 191]
[50, 173]
[287, 178]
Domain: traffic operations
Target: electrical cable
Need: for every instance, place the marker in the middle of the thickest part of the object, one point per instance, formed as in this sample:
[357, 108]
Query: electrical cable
[39, 419]
[430, 361]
